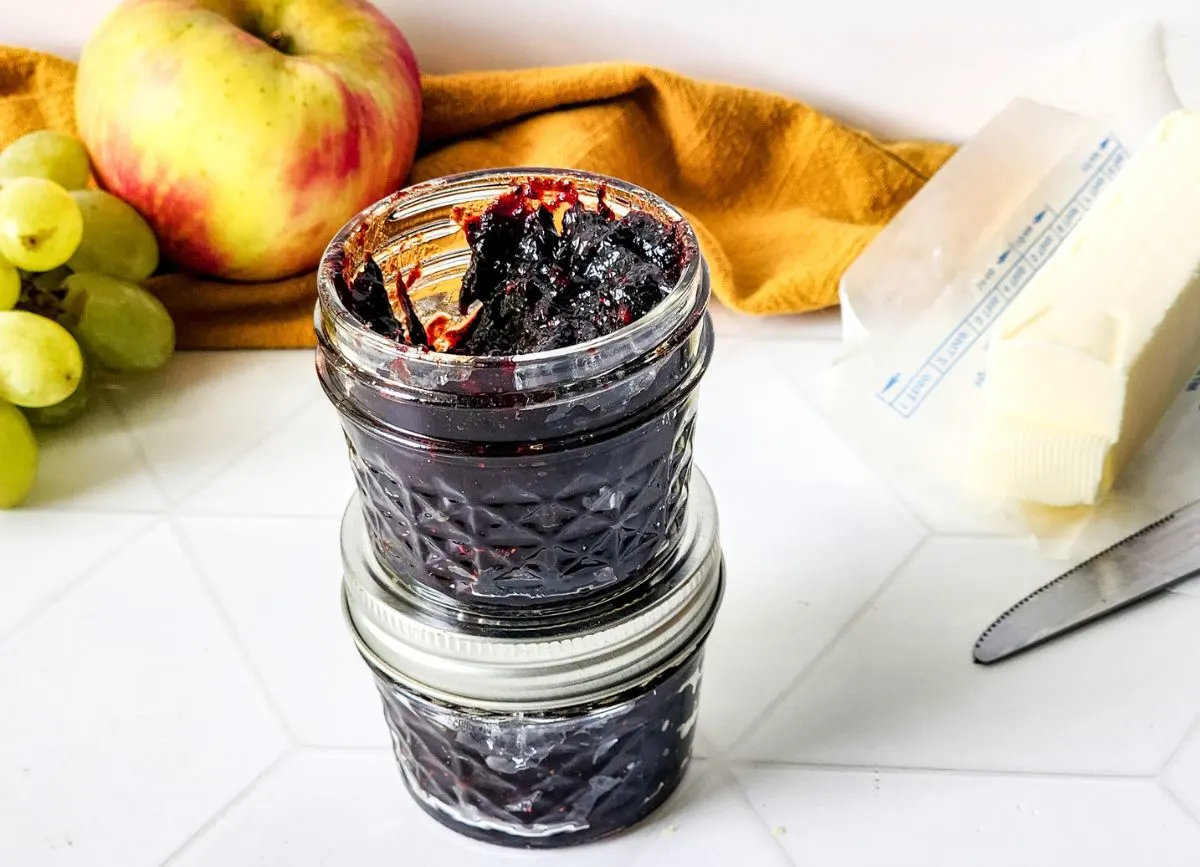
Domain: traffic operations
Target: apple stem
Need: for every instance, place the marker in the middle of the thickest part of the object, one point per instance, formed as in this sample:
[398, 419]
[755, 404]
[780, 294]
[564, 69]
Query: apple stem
[280, 41]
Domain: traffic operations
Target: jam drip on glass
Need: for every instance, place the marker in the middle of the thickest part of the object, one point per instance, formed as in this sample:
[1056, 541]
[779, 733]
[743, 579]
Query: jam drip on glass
[546, 272]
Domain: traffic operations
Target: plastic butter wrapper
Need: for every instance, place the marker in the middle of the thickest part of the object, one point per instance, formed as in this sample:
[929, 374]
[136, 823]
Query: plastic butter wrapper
[920, 303]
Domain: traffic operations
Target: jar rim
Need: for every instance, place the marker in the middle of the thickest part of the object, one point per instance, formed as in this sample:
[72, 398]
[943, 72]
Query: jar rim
[332, 314]
[558, 662]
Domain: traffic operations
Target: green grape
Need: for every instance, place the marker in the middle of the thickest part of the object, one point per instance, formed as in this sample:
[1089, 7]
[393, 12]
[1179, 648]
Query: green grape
[116, 240]
[123, 326]
[40, 362]
[49, 281]
[59, 414]
[18, 456]
[10, 286]
[40, 224]
[54, 156]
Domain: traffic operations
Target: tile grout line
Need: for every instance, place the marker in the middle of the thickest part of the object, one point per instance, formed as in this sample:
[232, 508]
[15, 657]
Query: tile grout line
[168, 501]
[206, 588]
[219, 470]
[231, 632]
[998, 773]
[233, 803]
[79, 580]
[136, 445]
[773, 705]
[730, 771]
[1174, 798]
[1193, 731]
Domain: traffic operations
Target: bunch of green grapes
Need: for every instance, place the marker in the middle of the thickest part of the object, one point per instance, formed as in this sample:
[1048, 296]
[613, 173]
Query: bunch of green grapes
[71, 305]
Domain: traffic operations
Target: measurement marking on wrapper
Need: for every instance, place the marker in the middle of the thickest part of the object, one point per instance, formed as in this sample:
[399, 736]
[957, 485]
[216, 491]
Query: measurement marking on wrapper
[1025, 256]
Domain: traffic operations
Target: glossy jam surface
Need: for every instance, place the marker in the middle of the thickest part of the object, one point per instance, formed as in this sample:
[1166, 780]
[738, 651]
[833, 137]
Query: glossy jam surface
[527, 481]
[546, 272]
[546, 780]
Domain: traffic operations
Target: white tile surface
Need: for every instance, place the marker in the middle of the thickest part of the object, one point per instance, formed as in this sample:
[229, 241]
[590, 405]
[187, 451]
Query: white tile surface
[300, 468]
[279, 581]
[320, 808]
[204, 410]
[93, 464]
[128, 718]
[1182, 777]
[144, 665]
[45, 552]
[901, 689]
[951, 820]
[708, 823]
[788, 495]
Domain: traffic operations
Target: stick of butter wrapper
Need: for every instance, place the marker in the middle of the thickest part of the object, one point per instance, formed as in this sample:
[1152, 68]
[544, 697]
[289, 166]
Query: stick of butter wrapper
[1088, 358]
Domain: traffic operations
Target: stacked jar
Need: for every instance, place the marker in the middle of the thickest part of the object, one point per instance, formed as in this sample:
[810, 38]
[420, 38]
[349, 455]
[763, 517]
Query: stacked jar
[531, 563]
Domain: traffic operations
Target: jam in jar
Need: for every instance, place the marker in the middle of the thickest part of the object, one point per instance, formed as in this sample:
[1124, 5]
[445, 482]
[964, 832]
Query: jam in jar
[543, 731]
[539, 478]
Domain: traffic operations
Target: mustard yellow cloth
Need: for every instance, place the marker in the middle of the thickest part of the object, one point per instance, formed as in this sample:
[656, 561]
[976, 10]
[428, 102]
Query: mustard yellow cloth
[782, 197]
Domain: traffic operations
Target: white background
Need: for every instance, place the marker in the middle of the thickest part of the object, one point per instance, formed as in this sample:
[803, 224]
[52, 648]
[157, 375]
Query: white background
[924, 67]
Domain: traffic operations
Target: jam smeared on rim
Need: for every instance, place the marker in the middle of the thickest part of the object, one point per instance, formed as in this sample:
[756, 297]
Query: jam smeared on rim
[546, 272]
[490, 491]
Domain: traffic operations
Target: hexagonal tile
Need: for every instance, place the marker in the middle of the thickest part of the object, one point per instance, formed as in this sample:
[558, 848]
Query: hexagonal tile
[132, 718]
[44, 552]
[1183, 775]
[318, 808]
[708, 823]
[279, 582]
[206, 409]
[947, 820]
[794, 504]
[92, 464]
[301, 468]
[900, 688]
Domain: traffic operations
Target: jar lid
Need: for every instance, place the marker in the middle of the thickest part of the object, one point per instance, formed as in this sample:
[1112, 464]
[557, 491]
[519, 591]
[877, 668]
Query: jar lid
[557, 660]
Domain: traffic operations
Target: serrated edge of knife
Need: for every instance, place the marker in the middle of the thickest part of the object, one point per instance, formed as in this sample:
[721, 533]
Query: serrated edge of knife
[1065, 575]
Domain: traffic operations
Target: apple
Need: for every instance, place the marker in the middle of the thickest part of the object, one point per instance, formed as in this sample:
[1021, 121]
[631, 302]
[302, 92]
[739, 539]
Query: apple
[247, 132]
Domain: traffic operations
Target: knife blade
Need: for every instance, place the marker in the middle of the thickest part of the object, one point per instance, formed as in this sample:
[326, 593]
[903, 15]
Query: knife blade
[1140, 566]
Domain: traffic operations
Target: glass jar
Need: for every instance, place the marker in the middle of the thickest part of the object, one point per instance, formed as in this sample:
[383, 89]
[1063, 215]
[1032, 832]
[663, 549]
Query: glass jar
[515, 482]
[547, 731]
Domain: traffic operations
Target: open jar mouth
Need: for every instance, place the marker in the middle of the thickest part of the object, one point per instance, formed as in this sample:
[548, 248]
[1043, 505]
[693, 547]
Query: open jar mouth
[524, 481]
[419, 228]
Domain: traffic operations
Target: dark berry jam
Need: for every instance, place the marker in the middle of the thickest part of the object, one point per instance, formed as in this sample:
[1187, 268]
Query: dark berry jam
[517, 481]
[545, 272]
[539, 780]
[541, 526]
[541, 730]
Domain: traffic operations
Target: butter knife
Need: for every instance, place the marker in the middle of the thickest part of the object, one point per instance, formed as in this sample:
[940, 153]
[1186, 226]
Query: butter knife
[1136, 568]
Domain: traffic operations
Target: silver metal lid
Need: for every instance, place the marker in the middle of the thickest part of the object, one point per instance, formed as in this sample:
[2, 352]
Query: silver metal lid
[551, 661]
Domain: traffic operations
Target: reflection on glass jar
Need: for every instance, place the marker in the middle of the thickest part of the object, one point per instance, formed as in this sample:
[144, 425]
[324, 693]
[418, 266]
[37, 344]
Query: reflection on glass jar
[557, 730]
[523, 481]
[546, 779]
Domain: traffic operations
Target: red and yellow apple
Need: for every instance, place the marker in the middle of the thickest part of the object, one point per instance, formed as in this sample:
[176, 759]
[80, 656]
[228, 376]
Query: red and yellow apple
[247, 132]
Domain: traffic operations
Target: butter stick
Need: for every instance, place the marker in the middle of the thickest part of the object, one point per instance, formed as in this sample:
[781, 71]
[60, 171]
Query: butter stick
[1088, 358]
